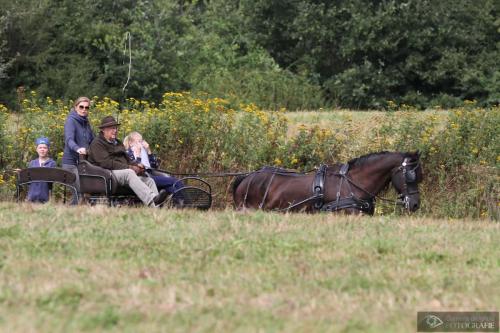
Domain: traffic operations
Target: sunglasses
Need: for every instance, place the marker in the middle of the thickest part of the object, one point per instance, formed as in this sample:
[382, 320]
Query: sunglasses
[81, 107]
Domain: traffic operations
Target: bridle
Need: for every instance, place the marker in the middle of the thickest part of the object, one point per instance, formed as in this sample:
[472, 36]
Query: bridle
[409, 170]
[407, 167]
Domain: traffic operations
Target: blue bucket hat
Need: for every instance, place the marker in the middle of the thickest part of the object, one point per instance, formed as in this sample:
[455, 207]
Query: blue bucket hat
[42, 141]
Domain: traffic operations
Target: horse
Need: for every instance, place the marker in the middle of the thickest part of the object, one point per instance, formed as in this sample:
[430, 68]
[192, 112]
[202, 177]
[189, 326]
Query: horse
[351, 188]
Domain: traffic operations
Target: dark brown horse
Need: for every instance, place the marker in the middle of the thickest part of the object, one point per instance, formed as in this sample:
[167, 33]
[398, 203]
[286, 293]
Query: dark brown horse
[351, 187]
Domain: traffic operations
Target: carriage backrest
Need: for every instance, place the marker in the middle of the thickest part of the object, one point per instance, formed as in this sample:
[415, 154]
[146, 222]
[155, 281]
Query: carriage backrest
[46, 174]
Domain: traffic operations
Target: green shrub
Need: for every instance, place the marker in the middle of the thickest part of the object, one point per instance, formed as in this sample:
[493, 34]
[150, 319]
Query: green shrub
[310, 148]
[459, 149]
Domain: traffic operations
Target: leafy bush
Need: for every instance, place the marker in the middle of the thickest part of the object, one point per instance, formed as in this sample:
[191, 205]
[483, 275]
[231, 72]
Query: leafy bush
[310, 148]
[273, 53]
[196, 133]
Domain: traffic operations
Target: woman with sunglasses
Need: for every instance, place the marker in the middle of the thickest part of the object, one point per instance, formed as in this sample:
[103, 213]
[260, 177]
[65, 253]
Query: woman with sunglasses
[78, 135]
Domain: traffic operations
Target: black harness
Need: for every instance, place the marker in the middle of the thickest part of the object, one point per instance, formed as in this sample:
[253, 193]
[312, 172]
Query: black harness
[349, 202]
[318, 188]
[367, 206]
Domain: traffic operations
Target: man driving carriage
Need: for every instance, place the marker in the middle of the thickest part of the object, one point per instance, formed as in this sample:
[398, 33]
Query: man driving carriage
[109, 153]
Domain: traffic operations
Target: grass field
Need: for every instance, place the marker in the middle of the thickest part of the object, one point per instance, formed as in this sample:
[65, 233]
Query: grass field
[338, 118]
[143, 270]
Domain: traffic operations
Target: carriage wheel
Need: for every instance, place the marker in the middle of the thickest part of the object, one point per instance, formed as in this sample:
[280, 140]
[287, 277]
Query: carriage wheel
[190, 197]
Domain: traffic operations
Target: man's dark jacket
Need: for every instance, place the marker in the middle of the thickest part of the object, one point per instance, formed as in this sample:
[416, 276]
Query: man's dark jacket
[109, 155]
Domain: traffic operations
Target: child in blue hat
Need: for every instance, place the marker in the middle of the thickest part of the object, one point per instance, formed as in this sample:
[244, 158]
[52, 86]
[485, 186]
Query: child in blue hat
[39, 191]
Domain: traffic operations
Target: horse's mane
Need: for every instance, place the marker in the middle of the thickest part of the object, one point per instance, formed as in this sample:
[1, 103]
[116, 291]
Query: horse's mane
[359, 161]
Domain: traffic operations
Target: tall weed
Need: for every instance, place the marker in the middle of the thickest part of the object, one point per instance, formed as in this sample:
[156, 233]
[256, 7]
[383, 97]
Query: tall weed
[460, 150]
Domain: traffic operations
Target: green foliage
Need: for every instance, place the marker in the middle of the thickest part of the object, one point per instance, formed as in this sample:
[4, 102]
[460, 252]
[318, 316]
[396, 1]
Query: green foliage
[471, 137]
[270, 88]
[298, 54]
[4, 65]
[4, 135]
[368, 52]
[310, 148]
[196, 133]
[237, 68]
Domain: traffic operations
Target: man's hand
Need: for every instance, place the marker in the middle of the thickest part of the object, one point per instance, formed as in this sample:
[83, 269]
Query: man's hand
[82, 151]
[137, 169]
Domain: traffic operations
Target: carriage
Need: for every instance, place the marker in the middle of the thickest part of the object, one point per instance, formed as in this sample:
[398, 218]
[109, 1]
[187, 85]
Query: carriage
[99, 186]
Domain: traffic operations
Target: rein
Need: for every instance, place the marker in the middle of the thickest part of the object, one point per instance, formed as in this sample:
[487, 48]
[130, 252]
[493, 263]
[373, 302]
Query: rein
[207, 174]
[279, 171]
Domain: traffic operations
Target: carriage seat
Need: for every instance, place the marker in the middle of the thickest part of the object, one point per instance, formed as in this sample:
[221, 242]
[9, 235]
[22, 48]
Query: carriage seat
[99, 182]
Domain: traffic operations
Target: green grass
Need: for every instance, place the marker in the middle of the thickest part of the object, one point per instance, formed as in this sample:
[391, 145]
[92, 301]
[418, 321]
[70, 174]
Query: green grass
[144, 270]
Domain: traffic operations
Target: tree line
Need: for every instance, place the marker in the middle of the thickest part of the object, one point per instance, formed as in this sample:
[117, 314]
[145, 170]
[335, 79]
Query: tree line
[298, 54]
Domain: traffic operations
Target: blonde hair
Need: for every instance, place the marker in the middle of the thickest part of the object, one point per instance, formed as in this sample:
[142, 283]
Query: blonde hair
[81, 99]
[130, 138]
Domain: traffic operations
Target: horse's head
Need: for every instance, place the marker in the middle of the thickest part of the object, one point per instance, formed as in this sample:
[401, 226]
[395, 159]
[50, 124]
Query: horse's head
[405, 179]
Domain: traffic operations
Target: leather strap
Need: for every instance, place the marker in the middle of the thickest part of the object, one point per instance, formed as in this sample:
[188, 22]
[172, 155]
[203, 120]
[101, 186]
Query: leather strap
[319, 186]
[366, 206]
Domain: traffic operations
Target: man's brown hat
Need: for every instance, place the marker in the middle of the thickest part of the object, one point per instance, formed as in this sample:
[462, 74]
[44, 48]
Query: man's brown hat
[108, 121]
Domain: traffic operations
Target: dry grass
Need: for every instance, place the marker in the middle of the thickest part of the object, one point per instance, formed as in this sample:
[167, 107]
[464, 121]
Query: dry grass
[364, 121]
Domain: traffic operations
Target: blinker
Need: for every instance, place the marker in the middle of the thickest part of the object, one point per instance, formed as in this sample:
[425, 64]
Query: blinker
[410, 176]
